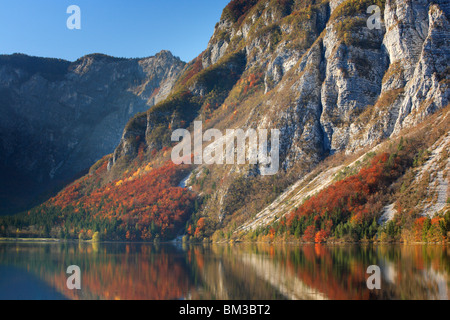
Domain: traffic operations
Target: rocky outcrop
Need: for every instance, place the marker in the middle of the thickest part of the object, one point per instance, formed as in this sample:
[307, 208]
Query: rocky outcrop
[372, 83]
[331, 84]
[428, 87]
[151, 131]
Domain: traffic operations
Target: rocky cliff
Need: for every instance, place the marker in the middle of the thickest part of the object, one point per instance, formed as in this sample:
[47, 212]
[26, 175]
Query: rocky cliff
[314, 70]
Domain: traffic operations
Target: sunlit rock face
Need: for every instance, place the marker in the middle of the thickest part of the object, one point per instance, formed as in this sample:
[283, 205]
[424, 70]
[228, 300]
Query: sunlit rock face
[350, 86]
[331, 83]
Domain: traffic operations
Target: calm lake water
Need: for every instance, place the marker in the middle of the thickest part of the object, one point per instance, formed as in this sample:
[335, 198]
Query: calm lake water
[240, 271]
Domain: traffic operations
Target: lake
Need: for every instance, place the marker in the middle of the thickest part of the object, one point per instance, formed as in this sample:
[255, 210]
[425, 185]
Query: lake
[239, 271]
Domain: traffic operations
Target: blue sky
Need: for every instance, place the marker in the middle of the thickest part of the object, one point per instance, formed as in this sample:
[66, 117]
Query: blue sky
[133, 28]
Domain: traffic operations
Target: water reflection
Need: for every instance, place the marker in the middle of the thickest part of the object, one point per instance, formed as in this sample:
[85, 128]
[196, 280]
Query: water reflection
[256, 271]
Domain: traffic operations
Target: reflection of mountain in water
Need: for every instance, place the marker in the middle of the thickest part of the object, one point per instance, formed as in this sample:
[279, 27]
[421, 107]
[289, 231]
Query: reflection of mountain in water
[287, 283]
[108, 272]
[254, 272]
[16, 284]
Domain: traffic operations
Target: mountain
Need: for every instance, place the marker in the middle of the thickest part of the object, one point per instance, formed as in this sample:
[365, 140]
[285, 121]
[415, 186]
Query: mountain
[60, 117]
[363, 121]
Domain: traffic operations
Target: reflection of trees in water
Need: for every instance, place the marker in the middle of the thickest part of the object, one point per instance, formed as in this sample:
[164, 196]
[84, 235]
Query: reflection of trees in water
[256, 271]
[408, 272]
[119, 272]
[324, 272]
[299, 272]
[223, 276]
[415, 272]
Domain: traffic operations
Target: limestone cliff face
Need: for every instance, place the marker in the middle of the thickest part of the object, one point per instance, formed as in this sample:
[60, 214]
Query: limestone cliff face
[332, 84]
[354, 85]
[374, 82]
[416, 83]
[58, 117]
[351, 86]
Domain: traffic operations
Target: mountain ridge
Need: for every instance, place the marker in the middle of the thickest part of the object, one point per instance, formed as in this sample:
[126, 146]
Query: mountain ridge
[60, 117]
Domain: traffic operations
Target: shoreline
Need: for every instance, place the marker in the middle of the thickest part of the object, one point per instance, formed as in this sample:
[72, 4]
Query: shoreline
[53, 240]
[29, 240]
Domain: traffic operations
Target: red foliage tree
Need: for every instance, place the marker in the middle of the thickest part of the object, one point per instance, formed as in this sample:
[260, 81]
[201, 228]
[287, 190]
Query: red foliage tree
[146, 204]
[309, 235]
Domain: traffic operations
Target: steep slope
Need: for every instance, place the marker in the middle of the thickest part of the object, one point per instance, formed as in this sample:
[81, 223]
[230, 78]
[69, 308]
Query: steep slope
[331, 85]
[411, 184]
[59, 118]
[334, 88]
